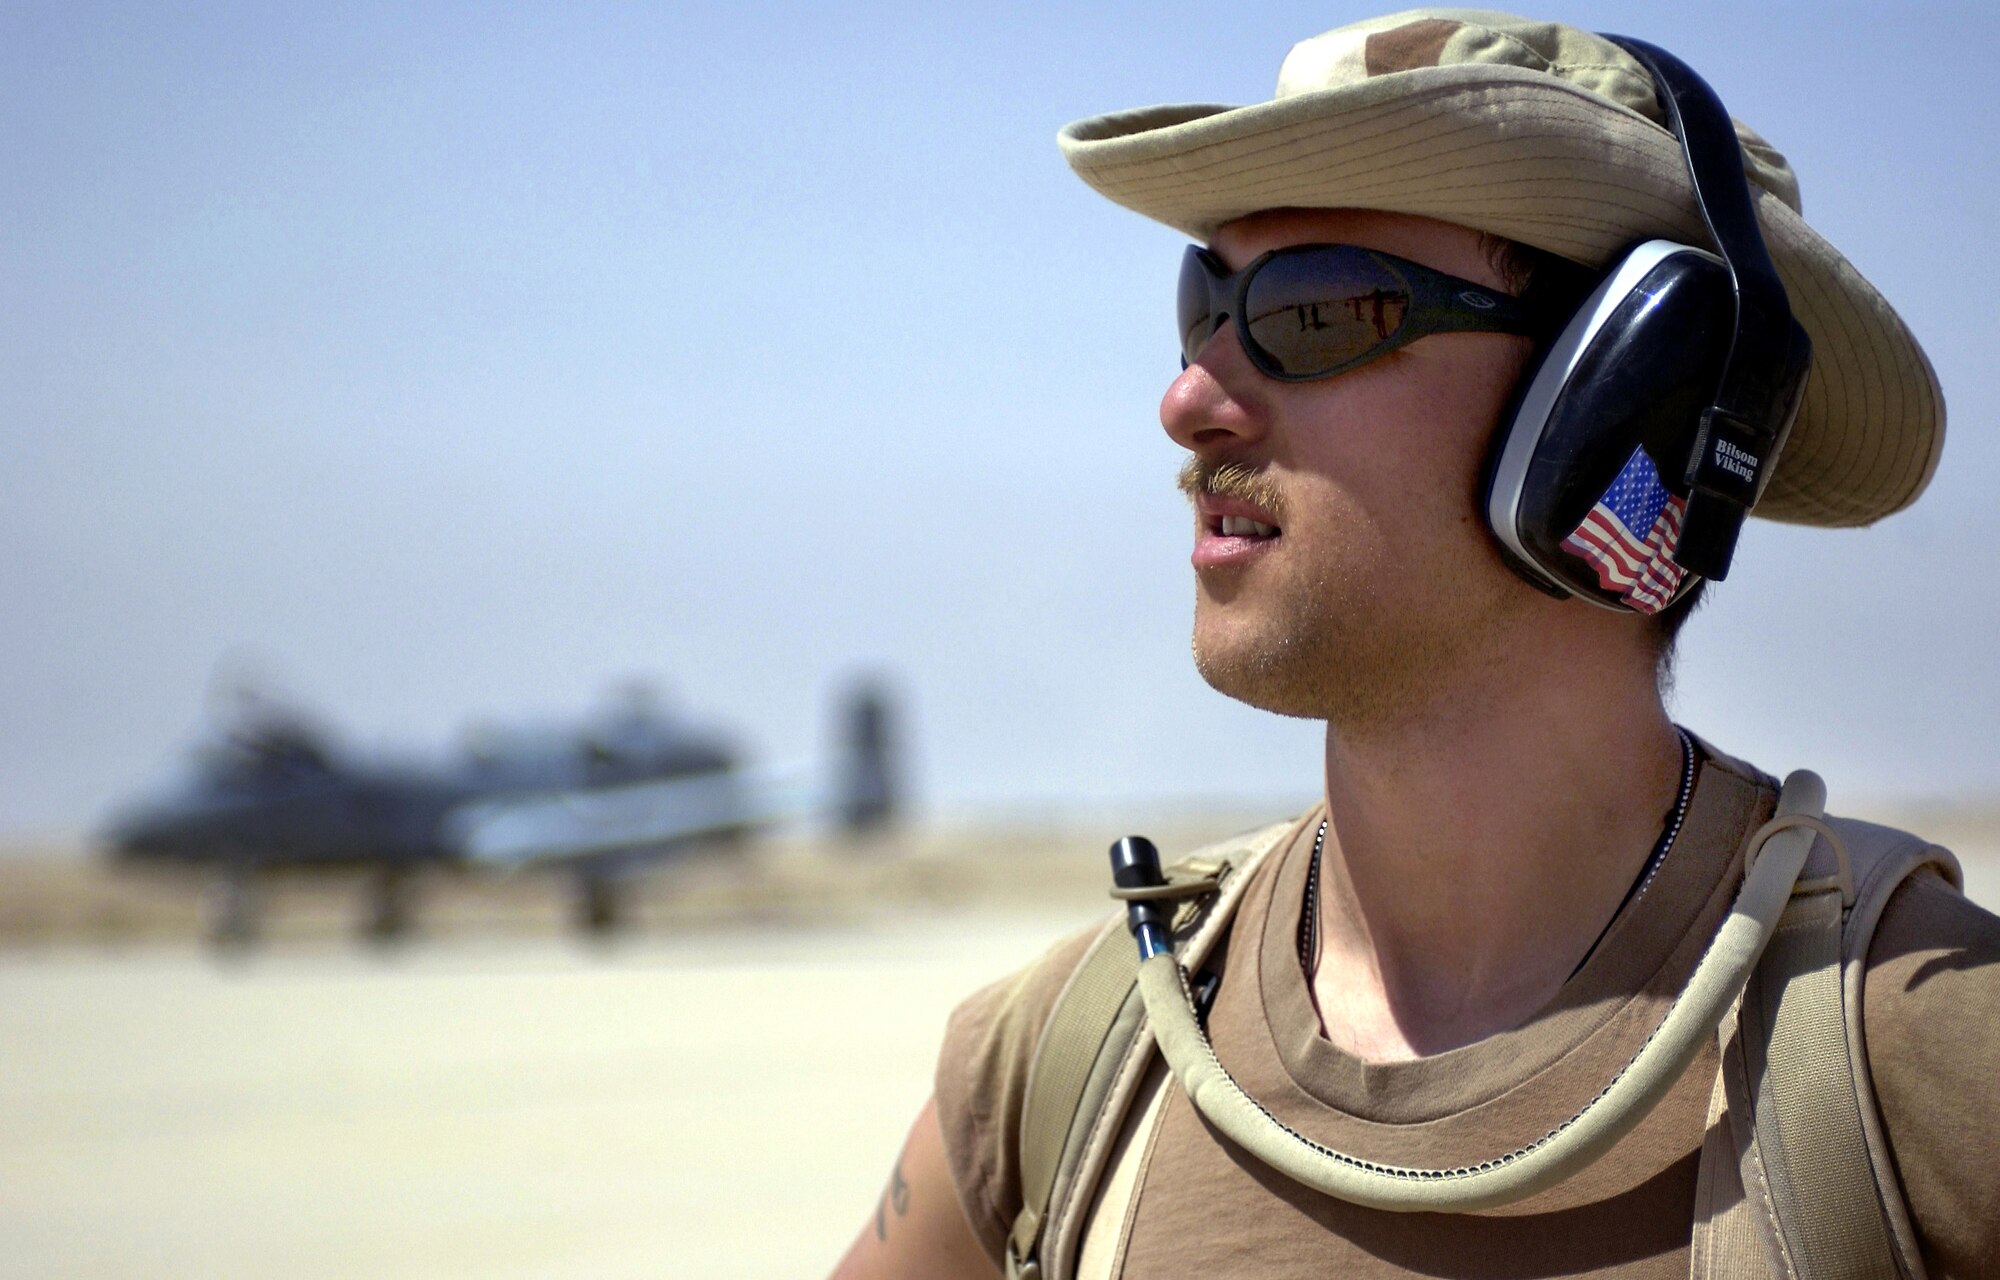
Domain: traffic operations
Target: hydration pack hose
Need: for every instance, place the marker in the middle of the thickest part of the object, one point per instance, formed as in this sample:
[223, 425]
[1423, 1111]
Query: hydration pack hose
[1776, 855]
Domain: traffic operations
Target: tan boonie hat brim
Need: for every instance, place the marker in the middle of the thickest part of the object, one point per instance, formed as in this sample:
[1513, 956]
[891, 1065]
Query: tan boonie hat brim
[1544, 134]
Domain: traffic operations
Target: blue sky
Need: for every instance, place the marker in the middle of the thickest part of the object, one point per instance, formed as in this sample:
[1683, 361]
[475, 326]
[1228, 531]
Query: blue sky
[455, 362]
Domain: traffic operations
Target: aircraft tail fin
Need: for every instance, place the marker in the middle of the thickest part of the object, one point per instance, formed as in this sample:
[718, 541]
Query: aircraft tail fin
[866, 795]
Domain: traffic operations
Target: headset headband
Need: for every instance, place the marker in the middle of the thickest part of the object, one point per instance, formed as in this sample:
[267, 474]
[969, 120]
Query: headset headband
[1744, 428]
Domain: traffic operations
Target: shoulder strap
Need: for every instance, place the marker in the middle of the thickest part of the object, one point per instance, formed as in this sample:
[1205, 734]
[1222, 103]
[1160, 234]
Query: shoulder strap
[1883, 859]
[1727, 1244]
[1813, 1193]
[1086, 1062]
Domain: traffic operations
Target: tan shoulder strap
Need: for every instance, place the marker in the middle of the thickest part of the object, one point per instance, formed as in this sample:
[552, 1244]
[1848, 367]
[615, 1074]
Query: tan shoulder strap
[1086, 1017]
[1084, 1066]
[1727, 1244]
[1883, 859]
[1797, 1181]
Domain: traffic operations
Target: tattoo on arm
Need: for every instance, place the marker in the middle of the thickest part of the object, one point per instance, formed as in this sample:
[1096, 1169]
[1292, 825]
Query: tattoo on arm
[894, 1196]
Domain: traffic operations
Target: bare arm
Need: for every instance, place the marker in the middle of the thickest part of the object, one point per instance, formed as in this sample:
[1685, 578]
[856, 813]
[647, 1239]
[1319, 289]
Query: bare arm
[918, 1229]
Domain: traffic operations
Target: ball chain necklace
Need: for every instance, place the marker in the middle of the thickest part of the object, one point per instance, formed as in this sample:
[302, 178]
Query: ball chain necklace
[1309, 922]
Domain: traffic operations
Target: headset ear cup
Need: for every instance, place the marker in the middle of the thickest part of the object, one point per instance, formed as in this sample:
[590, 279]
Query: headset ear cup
[1600, 426]
[1521, 427]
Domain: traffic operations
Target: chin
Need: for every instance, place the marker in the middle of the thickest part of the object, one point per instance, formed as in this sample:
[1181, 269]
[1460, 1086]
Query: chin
[1285, 674]
[1316, 665]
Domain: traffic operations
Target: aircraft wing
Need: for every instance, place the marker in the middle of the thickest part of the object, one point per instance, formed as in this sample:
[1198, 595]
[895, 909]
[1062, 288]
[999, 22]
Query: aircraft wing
[501, 832]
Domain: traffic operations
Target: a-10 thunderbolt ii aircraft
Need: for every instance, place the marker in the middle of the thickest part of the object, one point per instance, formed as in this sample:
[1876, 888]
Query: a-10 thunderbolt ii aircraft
[598, 803]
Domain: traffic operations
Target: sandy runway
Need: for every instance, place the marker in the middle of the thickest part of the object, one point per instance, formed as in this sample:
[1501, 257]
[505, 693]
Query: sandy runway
[698, 1102]
[720, 1107]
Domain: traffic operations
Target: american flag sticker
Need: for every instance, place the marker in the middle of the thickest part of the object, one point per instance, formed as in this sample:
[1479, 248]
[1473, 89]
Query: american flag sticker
[1629, 537]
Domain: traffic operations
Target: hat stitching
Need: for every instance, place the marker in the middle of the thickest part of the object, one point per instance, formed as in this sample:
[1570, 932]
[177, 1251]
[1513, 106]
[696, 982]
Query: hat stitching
[1847, 453]
[1492, 80]
[1369, 123]
[1584, 216]
[1278, 146]
[1379, 120]
[1284, 156]
[1281, 156]
[1932, 457]
[1285, 166]
[1836, 460]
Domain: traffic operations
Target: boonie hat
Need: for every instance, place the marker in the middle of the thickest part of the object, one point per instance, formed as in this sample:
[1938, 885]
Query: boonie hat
[1551, 136]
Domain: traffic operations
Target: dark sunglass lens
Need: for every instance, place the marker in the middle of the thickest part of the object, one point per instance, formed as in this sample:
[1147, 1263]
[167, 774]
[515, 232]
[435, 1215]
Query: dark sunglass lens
[1192, 310]
[1315, 310]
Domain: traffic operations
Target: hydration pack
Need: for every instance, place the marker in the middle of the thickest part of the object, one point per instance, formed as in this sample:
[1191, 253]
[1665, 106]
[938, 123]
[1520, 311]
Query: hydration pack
[1796, 1180]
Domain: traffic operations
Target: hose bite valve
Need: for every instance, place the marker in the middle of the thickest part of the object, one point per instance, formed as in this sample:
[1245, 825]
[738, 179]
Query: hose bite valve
[1135, 868]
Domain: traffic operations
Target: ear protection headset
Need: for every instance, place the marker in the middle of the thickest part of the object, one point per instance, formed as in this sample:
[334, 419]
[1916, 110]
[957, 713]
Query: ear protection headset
[1647, 431]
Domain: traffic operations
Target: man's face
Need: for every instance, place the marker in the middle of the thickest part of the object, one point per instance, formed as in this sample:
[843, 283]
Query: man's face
[1380, 580]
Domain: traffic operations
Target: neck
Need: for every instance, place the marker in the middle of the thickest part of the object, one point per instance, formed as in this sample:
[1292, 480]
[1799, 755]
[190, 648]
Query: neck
[1476, 850]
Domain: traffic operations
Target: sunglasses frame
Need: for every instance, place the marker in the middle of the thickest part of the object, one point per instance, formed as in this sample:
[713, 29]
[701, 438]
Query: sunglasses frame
[1439, 303]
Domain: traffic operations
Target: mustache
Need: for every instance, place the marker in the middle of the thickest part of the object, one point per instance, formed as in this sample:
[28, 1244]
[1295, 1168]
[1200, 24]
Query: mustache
[1231, 480]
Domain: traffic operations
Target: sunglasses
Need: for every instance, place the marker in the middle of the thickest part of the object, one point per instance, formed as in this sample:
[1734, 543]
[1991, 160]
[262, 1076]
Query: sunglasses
[1313, 310]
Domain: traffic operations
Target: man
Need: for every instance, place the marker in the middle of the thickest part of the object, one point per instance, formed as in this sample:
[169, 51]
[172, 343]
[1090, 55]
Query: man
[1519, 859]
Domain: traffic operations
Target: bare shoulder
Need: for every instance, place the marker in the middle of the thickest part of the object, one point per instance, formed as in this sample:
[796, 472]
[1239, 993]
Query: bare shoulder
[917, 1229]
[948, 1202]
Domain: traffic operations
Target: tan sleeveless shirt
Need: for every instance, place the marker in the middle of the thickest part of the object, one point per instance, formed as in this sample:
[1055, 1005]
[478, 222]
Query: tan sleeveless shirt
[1200, 1206]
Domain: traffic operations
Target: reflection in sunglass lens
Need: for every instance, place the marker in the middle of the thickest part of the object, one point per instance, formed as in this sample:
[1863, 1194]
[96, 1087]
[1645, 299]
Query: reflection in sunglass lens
[1317, 309]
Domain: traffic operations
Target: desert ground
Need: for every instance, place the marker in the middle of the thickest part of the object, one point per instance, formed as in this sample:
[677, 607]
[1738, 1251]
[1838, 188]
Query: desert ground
[719, 1094]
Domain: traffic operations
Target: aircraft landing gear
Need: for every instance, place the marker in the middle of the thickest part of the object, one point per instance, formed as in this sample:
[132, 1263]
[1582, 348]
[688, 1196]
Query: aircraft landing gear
[390, 911]
[603, 904]
[233, 907]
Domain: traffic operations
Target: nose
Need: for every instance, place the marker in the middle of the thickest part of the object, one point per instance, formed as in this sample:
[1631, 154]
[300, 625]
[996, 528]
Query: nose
[1214, 407]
